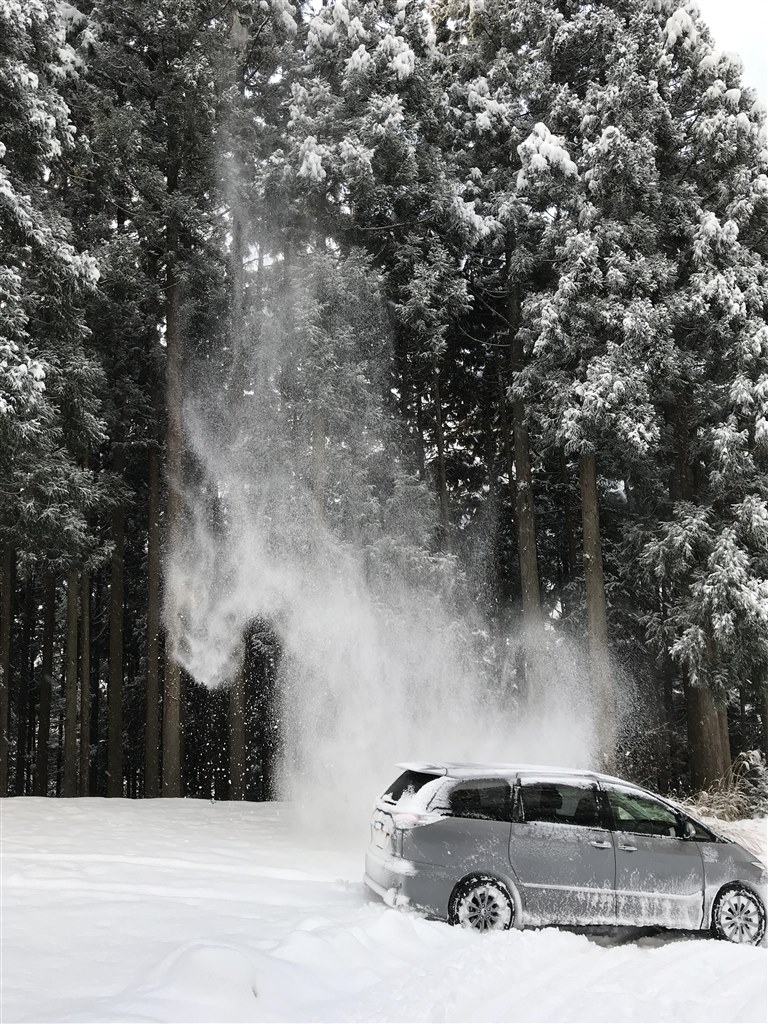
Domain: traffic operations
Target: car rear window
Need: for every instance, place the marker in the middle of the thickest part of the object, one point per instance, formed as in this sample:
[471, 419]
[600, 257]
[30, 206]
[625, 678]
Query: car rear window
[408, 784]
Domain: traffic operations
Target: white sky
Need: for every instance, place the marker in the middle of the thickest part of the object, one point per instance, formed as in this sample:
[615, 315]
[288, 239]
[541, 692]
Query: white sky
[742, 26]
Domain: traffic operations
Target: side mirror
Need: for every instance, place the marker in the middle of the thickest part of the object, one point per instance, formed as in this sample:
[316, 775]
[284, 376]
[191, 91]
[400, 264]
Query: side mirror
[689, 829]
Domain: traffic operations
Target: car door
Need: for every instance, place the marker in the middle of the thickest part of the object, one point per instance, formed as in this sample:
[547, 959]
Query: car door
[562, 853]
[659, 873]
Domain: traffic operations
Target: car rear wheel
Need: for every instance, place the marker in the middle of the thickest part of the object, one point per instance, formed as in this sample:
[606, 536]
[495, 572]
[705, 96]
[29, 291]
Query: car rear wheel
[738, 915]
[483, 904]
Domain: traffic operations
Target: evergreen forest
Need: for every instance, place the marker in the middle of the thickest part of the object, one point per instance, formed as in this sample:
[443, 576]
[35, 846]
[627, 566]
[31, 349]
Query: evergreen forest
[523, 241]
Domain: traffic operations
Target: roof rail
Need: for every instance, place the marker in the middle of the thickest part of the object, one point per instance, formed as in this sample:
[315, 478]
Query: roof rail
[425, 767]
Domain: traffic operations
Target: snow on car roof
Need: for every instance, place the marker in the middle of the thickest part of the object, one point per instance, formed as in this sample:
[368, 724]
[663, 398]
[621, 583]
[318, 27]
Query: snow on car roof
[477, 770]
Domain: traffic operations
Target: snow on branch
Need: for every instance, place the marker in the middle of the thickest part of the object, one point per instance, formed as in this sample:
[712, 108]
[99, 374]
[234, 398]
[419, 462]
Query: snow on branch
[682, 26]
[312, 154]
[541, 153]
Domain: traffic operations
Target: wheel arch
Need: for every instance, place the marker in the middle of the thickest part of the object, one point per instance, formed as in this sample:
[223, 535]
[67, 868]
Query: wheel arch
[749, 887]
[497, 876]
[734, 883]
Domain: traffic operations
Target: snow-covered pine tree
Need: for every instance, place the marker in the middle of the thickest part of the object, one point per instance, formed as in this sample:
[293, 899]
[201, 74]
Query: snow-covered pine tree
[367, 119]
[659, 296]
[152, 127]
[49, 383]
[709, 556]
[498, 90]
[594, 330]
[154, 119]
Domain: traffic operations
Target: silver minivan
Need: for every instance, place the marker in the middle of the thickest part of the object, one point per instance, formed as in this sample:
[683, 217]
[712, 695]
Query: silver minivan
[492, 847]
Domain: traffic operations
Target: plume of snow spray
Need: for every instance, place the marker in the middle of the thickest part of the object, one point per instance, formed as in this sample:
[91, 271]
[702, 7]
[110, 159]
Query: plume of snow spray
[324, 535]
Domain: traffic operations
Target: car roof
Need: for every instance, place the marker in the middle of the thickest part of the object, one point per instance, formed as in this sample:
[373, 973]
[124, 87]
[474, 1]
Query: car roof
[480, 770]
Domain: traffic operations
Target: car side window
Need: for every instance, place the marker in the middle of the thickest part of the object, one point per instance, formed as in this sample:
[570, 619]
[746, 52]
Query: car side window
[633, 812]
[560, 803]
[489, 799]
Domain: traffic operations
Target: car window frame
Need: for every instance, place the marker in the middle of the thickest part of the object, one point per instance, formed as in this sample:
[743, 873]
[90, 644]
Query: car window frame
[587, 783]
[474, 781]
[711, 837]
[616, 826]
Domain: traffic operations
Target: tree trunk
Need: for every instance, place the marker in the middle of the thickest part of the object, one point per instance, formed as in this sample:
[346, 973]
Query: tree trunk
[85, 683]
[706, 757]
[95, 782]
[236, 716]
[46, 686]
[411, 412]
[420, 448]
[25, 686]
[152, 726]
[704, 737]
[319, 458]
[442, 479]
[597, 621]
[526, 520]
[29, 768]
[60, 741]
[69, 785]
[506, 439]
[725, 743]
[237, 278]
[6, 621]
[743, 731]
[237, 735]
[526, 517]
[666, 737]
[115, 681]
[175, 468]
[570, 541]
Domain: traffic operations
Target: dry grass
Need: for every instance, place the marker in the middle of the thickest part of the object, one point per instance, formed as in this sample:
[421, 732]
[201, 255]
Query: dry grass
[743, 793]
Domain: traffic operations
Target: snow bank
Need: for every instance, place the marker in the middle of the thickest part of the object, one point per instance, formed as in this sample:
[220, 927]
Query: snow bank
[187, 911]
[752, 833]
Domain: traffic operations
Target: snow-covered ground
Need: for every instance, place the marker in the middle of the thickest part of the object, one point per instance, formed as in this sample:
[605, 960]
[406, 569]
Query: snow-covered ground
[187, 911]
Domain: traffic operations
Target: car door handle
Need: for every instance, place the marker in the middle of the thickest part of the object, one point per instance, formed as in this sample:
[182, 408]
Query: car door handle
[600, 844]
[629, 849]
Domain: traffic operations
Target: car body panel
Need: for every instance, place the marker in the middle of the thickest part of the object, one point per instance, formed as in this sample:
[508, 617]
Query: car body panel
[564, 878]
[726, 864]
[449, 850]
[566, 870]
[462, 845]
[659, 881]
[659, 872]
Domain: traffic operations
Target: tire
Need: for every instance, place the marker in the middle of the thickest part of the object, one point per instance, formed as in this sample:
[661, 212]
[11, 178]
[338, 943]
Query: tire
[483, 904]
[738, 915]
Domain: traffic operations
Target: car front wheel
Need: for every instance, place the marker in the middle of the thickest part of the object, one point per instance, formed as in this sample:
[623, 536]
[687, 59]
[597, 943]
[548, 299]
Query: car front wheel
[739, 916]
[483, 904]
